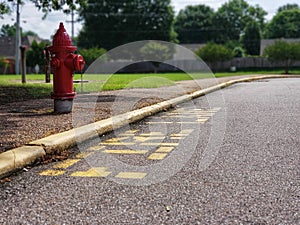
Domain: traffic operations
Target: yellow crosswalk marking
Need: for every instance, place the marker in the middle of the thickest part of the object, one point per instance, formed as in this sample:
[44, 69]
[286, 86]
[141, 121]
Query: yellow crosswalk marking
[117, 143]
[202, 120]
[178, 138]
[164, 149]
[93, 172]
[126, 151]
[152, 134]
[143, 139]
[83, 155]
[159, 144]
[128, 133]
[157, 156]
[65, 164]
[131, 175]
[52, 172]
[117, 139]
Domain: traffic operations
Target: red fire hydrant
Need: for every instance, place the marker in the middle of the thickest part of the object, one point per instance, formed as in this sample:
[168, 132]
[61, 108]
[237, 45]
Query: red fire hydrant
[64, 63]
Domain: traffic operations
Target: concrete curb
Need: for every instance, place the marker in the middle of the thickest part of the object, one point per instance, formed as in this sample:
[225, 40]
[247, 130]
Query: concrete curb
[17, 158]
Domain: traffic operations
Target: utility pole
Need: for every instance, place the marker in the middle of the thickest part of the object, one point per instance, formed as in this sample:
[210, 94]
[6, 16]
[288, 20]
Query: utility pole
[72, 21]
[18, 40]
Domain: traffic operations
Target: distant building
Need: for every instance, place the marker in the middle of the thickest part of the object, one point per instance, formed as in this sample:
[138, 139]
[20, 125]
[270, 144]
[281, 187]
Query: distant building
[266, 42]
[7, 48]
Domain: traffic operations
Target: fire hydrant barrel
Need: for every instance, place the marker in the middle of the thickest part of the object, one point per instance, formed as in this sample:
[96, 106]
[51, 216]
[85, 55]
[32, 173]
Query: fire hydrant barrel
[64, 63]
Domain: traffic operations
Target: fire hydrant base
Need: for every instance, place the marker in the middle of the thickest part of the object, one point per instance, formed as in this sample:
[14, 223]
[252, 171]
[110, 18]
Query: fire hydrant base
[63, 106]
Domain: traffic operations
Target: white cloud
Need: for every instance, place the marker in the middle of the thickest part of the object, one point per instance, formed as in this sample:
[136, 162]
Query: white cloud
[31, 18]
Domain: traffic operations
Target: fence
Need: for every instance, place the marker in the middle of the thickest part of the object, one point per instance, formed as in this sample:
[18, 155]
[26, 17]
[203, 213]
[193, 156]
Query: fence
[186, 65]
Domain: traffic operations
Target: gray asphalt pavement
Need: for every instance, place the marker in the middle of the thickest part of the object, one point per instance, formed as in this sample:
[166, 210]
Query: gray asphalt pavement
[231, 157]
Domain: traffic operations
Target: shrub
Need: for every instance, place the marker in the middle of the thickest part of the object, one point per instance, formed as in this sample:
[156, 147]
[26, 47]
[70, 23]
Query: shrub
[213, 53]
[91, 54]
[283, 51]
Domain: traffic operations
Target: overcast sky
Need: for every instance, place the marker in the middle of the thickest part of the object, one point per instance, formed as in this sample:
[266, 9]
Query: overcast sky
[31, 18]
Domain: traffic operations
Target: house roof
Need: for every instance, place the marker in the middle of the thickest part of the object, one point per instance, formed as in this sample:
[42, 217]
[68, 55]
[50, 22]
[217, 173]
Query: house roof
[266, 42]
[7, 45]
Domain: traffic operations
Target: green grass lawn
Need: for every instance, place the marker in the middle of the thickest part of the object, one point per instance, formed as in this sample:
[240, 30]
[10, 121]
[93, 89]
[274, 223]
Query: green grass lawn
[11, 88]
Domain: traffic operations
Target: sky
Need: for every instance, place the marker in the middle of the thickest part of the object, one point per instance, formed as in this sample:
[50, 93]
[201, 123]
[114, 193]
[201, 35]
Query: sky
[31, 18]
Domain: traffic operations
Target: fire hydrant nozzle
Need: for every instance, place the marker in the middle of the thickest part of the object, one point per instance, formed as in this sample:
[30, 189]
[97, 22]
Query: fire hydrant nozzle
[64, 63]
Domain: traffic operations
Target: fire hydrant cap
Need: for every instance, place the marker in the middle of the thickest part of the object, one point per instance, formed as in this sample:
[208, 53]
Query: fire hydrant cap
[61, 38]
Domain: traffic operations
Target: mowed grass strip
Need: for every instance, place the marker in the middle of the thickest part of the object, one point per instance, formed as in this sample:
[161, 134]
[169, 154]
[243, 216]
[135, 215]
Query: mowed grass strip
[11, 88]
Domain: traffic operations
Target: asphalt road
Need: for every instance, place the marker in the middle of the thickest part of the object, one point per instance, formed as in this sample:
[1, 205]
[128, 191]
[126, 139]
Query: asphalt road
[231, 157]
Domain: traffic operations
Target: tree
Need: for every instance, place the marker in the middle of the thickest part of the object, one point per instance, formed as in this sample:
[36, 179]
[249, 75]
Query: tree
[154, 50]
[90, 55]
[10, 31]
[251, 38]
[288, 7]
[7, 30]
[232, 17]
[283, 52]
[4, 9]
[213, 53]
[46, 5]
[285, 24]
[109, 23]
[34, 56]
[193, 24]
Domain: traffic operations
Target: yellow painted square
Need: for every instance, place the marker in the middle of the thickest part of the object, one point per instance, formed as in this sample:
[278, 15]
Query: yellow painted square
[157, 156]
[140, 139]
[202, 120]
[152, 134]
[52, 172]
[83, 155]
[126, 151]
[178, 138]
[131, 175]
[164, 149]
[93, 172]
[117, 139]
[129, 133]
[117, 143]
[65, 164]
[159, 144]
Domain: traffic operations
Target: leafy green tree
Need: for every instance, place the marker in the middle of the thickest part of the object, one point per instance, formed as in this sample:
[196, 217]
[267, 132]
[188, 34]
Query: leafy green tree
[90, 55]
[156, 51]
[34, 56]
[232, 17]
[213, 53]
[109, 23]
[283, 52]
[285, 24]
[4, 9]
[288, 7]
[193, 24]
[45, 6]
[8, 30]
[251, 38]
[239, 52]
